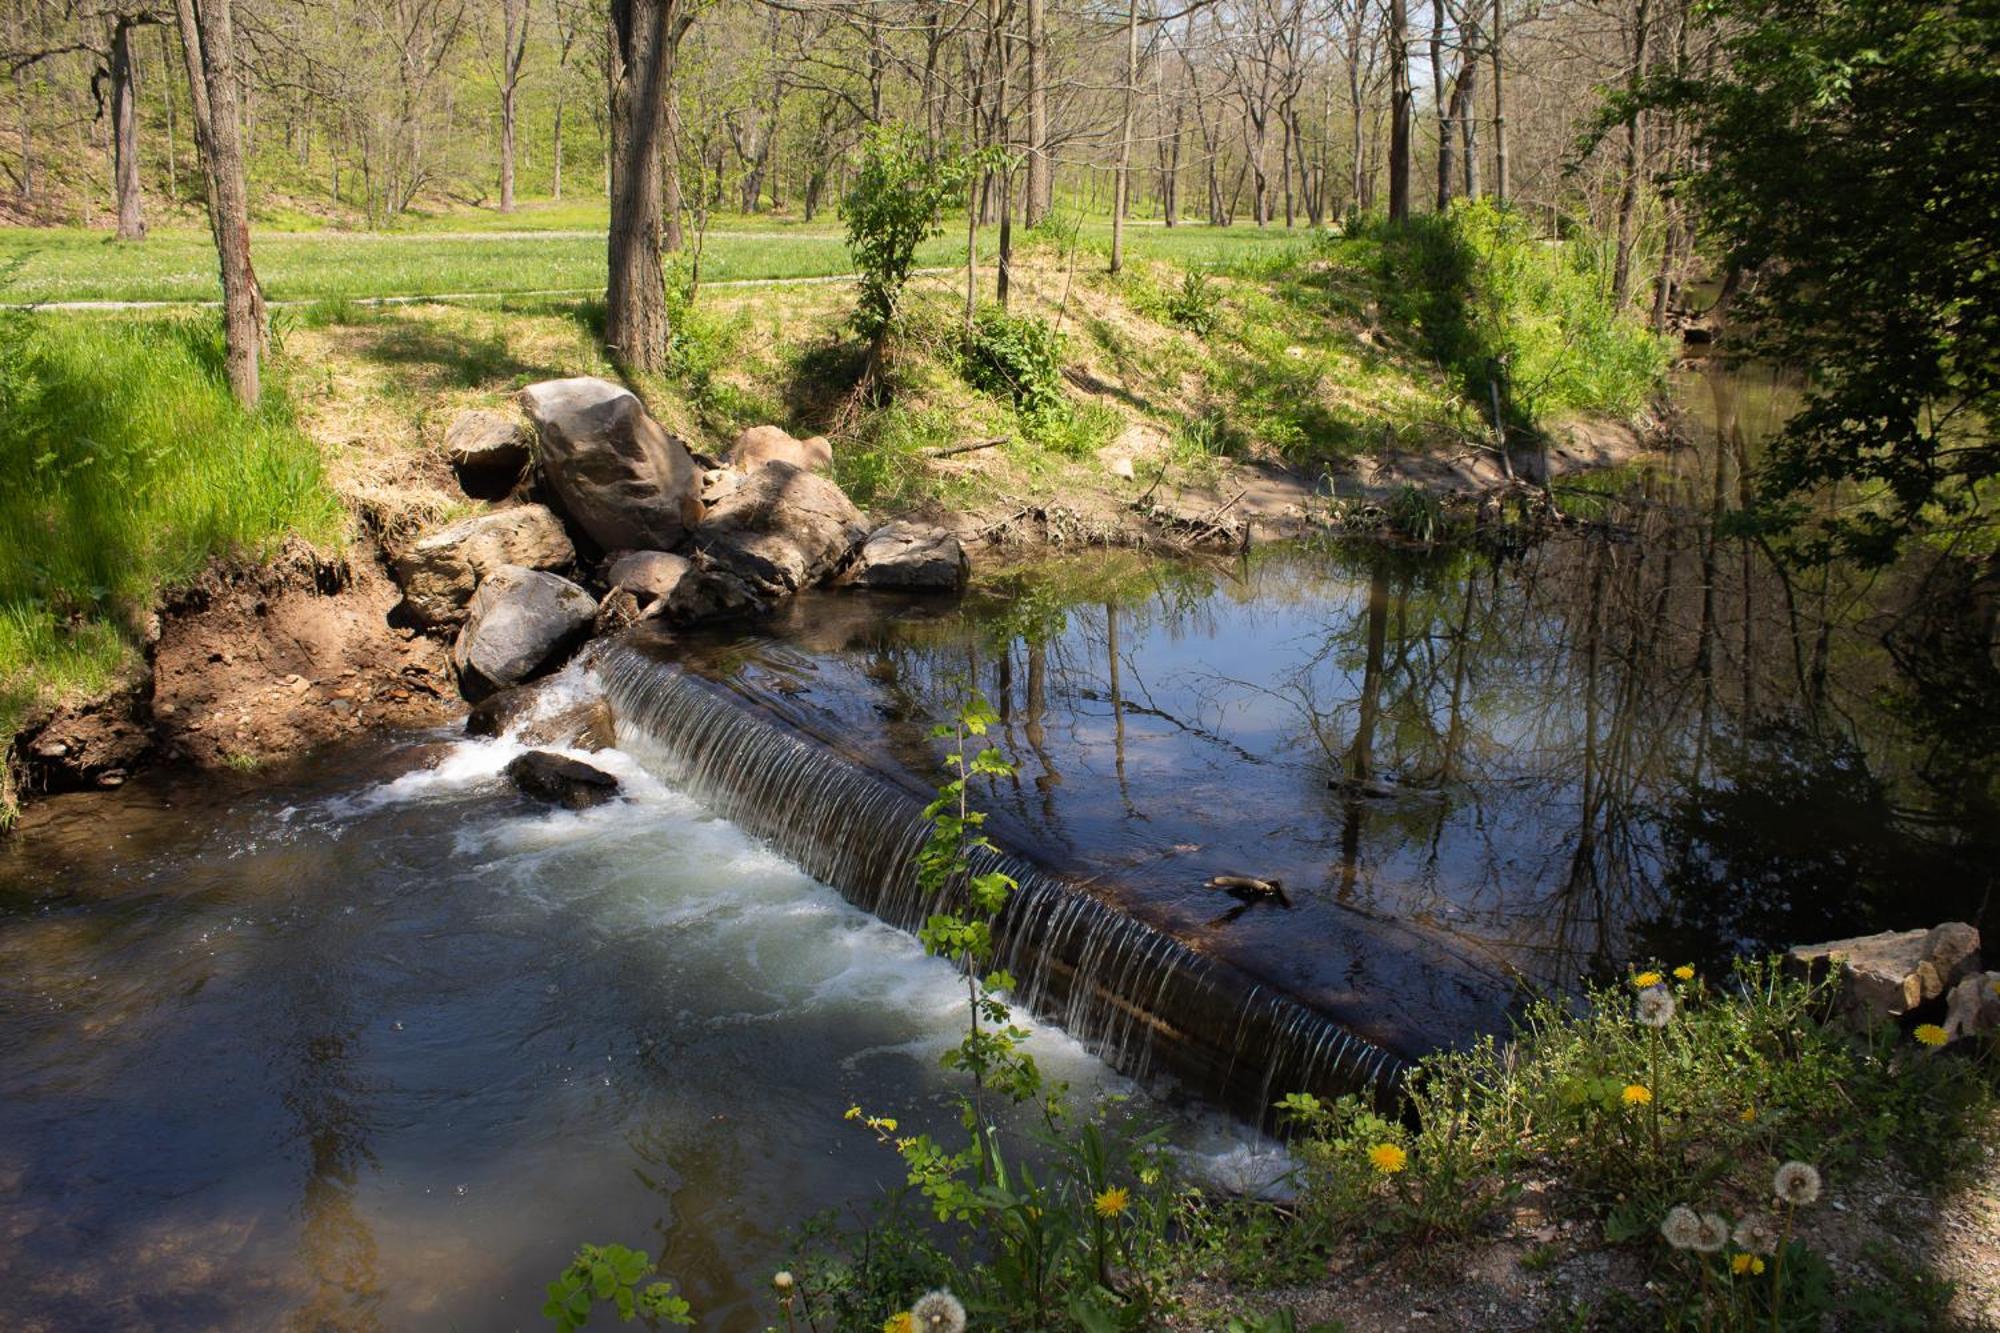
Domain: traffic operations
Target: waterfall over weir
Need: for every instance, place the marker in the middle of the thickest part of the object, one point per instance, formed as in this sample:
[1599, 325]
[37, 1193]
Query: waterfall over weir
[1145, 1001]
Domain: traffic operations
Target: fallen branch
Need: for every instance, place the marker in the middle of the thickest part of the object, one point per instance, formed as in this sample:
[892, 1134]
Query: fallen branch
[957, 449]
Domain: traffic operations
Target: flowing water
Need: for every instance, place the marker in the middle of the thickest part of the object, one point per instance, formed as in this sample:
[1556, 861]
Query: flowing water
[374, 1042]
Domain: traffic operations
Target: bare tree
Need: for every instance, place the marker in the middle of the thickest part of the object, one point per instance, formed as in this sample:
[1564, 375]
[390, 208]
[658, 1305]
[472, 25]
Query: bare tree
[645, 39]
[513, 51]
[208, 44]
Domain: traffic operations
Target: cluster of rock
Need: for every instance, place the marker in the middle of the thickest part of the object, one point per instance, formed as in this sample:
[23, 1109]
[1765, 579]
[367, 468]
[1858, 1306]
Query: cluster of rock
[1894, 974]
[636, 527]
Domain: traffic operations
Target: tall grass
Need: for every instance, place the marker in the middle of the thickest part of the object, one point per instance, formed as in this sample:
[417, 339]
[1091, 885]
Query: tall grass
[125, 467]
[1498, 306]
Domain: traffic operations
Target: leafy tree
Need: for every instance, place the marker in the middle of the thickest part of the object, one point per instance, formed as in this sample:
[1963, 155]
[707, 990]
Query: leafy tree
[897, 203]
[1850, 169]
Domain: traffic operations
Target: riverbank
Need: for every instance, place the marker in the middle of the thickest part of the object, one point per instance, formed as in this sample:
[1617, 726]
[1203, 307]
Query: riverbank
[1259, 400]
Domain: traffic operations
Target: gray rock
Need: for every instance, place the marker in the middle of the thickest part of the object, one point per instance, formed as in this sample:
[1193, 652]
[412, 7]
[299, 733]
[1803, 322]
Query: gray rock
[912, 556]
[772, 444]
[487, 440]
[781, 530]
[618, 475]
[440, 572]
[650, 576]
[708, 593]
[560, 780]
[520, 622]
[1973, 1006]
[1887, 975]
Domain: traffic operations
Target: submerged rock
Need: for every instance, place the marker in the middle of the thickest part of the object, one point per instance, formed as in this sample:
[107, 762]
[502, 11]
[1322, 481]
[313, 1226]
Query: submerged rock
[912, 556]
[440, 572]
[1887, 975]
[560, 780]
[520, 622]
[615, 471]
[772, 444]
[527, 712]
[781, 530]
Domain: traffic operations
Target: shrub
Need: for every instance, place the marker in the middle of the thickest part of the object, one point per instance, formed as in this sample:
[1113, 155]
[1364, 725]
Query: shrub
[1019, 358]
[897, 203]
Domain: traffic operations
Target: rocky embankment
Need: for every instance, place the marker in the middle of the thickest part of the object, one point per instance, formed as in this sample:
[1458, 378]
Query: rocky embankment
[598, 518]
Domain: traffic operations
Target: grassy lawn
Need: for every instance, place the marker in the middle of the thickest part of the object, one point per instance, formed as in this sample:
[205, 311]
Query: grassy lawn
[482, 252]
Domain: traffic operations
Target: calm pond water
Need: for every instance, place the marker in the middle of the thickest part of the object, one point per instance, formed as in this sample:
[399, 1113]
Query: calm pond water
[374, 1042]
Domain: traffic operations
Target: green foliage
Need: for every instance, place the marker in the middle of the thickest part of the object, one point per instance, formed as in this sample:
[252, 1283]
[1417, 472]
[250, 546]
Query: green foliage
[1847, 155]
[1020, 358]
[125, 466]
[610, 1275]
[1495, 305]
[897, 202]
[1194, 306]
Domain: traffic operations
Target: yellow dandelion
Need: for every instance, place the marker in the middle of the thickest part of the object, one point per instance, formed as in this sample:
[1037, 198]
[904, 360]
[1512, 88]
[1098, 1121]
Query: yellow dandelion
[1748, 1115]
[853, 1113]
[1646, 980]
[1746, 1263]
[1636, 1094]
[1930, 1034]
[1685, 972]
[1388, 1158]
[1112, 1202]
[898, 1322]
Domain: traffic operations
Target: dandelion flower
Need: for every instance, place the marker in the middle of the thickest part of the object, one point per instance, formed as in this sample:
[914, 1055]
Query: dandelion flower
[1112, 1202]
[1685, 972]
[1757, 1233]
[781, 1280]
[1711, 1234]
[1796, 1183]
[937, 1312]
[1748, 1115]
[1636, 1094]
[898, 1322]
[1646, 980]
[1740, 1264]
[1655, 1008]
[1388, 1158]
[1681, 1227]
[1930, 1034]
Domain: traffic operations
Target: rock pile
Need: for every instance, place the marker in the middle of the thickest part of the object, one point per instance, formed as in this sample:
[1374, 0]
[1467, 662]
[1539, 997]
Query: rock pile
[1896, 973]
[635, 527]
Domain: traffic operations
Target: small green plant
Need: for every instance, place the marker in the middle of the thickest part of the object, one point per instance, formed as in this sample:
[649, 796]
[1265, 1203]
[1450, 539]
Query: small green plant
[1195, 306]
[1019, 358]
[610, 1275]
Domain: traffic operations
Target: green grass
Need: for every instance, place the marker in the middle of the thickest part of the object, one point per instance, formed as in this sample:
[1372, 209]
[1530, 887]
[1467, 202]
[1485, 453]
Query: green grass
[125, 467]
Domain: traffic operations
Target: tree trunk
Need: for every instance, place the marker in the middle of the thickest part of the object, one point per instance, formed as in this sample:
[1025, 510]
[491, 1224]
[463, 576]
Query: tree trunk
[1041, 173]
[125, 134]
[643, 35]
[513, 50]
[1400, 99]
[1121, 196]
[27, 133]
[1628, 193]
[1467, 97]
[1500, 184]
[208, 43]
[1446, 165]
[555, 186]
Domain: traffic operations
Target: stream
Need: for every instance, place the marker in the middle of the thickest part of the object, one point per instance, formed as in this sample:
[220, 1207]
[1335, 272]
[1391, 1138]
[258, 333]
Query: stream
[373, 1041]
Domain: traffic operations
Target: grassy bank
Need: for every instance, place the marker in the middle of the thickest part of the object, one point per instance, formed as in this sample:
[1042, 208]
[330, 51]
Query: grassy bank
[125, 467]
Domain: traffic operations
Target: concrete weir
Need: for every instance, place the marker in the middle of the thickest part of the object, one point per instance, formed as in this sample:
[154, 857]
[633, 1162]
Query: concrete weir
[1148, 1003]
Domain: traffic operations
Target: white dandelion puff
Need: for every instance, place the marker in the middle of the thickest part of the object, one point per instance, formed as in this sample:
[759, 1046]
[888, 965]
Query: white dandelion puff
[1681, 1227]
[1796, 1183]
[938, 1312]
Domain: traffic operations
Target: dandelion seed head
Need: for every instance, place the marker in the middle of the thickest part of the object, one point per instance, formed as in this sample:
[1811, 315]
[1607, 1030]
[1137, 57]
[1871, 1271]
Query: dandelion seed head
[1655, 1008]
[1796, 1183]
[1681, 1227]
[1757, 1233]
[937, 1312]
[1711, 1234]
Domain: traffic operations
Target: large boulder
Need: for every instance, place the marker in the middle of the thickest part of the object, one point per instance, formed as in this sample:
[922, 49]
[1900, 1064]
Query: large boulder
[520, 622]
[560, 780]
[618, 475]
[772, 444]
[912, 556]
[783, 529]
[1887, 975]
[440, 572]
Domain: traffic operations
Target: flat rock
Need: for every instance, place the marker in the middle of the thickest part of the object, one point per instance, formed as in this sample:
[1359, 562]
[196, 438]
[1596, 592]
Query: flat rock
[626, 482]
[561, 780]
[483, 439]
[1887, 975]
[781, 530]
[650, 576]
[440, 571]
[912, 556]
[773, 444]
[520, 622]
